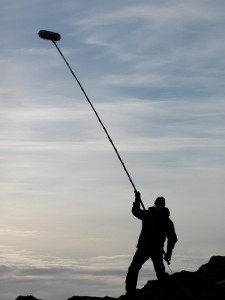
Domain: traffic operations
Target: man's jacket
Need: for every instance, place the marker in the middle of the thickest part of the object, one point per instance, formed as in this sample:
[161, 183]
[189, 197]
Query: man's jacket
[156, 227]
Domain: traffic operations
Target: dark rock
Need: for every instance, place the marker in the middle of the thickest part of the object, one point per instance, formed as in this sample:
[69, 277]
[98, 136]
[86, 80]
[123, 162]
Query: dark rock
[90, 298]
[214, 270]
[27, 298]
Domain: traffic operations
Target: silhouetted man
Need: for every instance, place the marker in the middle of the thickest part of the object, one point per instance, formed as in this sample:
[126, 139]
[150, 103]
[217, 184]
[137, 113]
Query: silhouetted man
[156, 227]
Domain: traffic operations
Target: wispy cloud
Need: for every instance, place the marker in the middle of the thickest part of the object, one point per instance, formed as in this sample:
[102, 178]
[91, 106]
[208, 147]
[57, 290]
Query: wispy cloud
[24, 268]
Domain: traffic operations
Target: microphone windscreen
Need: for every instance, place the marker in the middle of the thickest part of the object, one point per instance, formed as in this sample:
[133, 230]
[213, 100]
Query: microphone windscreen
[49, 35]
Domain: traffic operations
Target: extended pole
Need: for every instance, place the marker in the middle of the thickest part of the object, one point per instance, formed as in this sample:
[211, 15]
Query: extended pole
[54, 37]
[100, 121]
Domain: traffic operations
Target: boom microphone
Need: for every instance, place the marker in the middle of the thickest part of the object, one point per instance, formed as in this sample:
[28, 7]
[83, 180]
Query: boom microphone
[53, 36]
[49, 35]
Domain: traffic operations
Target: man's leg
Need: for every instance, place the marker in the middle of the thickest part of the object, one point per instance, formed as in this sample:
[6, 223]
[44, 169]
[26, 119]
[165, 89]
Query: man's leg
[140, 257]
[157, 259]
[163, 277]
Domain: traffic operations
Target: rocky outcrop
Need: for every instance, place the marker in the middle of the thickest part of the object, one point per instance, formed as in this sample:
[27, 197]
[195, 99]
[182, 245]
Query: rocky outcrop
[27, 298]
[207, 283]
[214, 270]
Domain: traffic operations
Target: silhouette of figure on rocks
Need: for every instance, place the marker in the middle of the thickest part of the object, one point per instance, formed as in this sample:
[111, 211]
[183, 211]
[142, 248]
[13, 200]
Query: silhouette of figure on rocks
[156, 228]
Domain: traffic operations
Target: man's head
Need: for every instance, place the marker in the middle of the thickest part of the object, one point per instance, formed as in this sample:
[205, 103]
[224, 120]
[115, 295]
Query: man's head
[159, 203]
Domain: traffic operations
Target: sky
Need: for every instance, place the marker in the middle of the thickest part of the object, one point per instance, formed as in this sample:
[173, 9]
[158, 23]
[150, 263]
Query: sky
[154, 71]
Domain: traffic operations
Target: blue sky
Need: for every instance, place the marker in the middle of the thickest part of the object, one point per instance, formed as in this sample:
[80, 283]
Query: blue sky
[154, 71]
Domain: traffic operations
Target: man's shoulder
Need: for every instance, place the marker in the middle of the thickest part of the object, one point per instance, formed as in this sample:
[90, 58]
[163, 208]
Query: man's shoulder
[151, 208]
[164, 212]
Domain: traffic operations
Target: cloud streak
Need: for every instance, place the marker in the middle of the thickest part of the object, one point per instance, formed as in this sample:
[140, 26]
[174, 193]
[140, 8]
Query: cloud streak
[25, 269]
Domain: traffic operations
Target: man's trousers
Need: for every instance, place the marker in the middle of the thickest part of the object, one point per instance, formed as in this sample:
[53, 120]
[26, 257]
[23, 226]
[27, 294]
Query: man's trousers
[140, 257]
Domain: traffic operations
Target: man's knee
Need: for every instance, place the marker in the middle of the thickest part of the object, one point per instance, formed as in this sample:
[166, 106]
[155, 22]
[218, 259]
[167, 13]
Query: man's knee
[139, 259]
[134, 267]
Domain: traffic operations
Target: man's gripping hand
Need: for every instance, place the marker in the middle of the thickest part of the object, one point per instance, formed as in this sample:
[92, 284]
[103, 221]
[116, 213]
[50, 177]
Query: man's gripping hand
[167, 256]
[137, 197]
